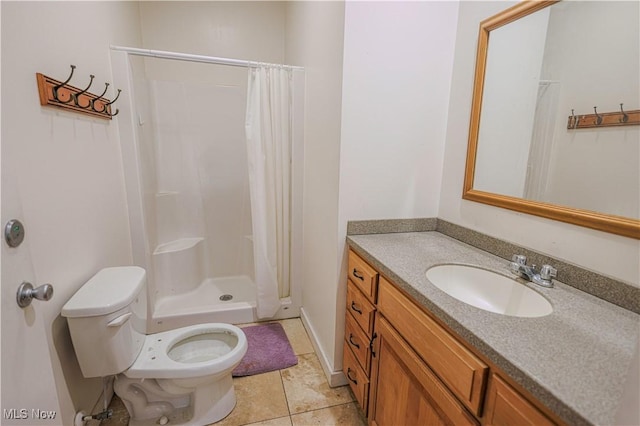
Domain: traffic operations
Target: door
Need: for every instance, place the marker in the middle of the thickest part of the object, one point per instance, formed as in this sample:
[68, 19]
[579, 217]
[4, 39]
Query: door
[29, 394]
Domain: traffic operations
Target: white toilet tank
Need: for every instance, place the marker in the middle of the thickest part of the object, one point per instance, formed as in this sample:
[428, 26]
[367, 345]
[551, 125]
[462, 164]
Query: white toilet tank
[107, 317]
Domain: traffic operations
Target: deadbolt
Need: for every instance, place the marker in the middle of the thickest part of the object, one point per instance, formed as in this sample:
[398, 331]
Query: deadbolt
[14, 233]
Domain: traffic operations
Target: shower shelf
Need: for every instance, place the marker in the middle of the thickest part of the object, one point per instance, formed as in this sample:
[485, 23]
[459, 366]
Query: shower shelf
[177, 245]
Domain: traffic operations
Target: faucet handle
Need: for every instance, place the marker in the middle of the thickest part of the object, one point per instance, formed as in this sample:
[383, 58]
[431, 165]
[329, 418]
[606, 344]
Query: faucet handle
[519, 259]
[547, 272]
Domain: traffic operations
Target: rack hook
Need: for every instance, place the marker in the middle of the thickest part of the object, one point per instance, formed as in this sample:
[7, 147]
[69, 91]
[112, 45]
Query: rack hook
[76, 97]
[574, 120]
[106, 105]
[93, 101]
[55, 88]
[625, 117]
[571, 120]
[598, 116]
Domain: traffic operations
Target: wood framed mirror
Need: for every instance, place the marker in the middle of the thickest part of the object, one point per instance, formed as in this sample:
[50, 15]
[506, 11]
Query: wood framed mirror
[528, 151]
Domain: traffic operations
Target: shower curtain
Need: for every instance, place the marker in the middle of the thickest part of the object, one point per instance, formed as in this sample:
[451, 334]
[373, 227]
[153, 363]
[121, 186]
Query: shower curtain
[268, 131]
[541, 148]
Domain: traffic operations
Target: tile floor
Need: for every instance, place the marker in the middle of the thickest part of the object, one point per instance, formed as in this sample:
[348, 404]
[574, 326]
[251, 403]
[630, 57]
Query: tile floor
[295, 396]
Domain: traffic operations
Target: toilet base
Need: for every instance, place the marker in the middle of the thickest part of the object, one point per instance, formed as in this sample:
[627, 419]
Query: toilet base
[148, 400]
[215, 403]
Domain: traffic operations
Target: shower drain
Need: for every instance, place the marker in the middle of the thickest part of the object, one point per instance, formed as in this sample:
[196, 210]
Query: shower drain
[226, 297]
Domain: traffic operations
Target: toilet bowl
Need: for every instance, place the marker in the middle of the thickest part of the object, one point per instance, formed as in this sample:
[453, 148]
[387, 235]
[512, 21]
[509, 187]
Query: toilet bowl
[183, 373]
[181, 376]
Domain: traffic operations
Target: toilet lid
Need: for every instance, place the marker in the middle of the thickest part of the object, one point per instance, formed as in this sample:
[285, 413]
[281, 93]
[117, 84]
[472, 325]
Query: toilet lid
[106, 292]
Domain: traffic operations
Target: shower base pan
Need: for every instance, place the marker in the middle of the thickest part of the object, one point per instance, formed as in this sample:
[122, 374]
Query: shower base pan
[228, 299]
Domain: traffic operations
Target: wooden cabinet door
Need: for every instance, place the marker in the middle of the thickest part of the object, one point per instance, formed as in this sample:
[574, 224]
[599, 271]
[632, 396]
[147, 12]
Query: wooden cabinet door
[506, 406]
[404, 391]
[462, 371]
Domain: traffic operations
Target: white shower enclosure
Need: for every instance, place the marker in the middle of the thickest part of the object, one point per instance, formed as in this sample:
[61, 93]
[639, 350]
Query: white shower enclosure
[182, 127]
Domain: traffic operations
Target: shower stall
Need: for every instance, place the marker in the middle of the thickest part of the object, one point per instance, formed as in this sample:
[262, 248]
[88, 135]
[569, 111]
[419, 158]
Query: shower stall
[187, 173]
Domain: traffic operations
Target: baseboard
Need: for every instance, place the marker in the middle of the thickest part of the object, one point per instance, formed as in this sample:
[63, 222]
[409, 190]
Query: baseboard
[335, 378]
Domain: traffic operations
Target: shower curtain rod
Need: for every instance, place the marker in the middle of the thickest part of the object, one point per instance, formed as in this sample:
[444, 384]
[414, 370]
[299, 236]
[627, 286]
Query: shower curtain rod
[197, 58]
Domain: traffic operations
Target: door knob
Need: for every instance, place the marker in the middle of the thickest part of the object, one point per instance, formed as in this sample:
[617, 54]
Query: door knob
[26, 293]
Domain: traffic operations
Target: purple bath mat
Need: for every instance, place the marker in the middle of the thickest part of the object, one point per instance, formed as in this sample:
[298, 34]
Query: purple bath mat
[269, 350]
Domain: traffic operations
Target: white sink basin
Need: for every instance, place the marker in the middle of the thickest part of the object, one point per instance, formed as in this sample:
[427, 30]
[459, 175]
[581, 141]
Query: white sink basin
[489, 291]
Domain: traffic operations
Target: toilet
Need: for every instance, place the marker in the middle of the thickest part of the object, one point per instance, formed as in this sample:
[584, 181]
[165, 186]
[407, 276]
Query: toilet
[176, 377]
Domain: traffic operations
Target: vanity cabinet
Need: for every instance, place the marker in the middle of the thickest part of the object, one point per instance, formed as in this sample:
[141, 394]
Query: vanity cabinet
[406, 368]
[362, 286]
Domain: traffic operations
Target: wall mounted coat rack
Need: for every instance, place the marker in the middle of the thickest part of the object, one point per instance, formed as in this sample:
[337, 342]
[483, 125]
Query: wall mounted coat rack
[604, 119]
[63, 95]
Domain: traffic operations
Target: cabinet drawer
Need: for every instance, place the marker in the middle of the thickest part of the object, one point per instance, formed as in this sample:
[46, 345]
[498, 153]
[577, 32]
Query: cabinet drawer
[360, 307]
[357, 378]
[506, 406]
[363, 276]
[463, 372]
[359, 343]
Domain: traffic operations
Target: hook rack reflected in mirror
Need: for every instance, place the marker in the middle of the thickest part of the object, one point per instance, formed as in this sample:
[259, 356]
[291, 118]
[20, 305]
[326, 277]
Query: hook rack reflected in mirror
[604, 119]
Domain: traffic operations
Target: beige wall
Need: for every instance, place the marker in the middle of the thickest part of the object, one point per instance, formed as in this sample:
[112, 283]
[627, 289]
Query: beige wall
[618, 257]
[230, 29]
[314, 40]
[398, 58]
[70, 170]
[368, 132]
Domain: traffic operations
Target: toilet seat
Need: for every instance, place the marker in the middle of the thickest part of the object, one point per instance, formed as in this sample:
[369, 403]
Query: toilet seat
[155, 362]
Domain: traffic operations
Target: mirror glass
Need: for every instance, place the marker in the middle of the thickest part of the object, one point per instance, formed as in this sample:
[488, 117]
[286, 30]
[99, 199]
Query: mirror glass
[535, 66]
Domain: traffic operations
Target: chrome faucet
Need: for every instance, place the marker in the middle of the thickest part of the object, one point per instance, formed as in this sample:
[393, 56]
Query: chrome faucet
[542, 277]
